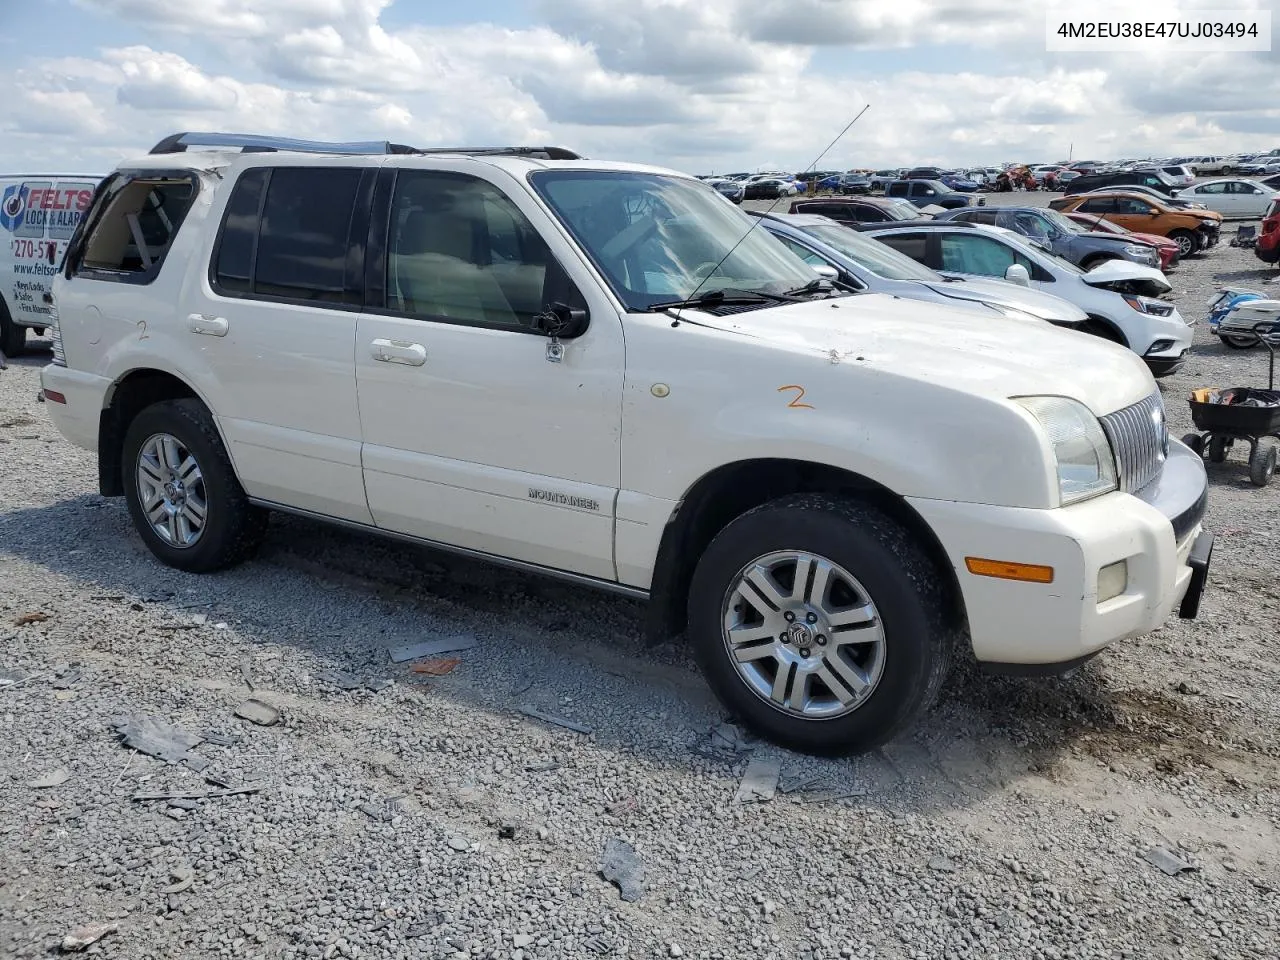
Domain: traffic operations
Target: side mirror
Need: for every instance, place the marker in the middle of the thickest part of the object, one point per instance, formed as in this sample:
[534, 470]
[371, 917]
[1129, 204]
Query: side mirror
[825, 271]
[560, 321]
[1018, 274]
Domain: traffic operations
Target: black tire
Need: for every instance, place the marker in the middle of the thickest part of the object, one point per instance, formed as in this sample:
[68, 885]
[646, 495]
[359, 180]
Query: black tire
[1195, 442]
[233, 528]
[1236, 342]
[1104, 331]
[1262, 464]
[1186, 241]
[1218, 447]
[906, 587]
[13, 338]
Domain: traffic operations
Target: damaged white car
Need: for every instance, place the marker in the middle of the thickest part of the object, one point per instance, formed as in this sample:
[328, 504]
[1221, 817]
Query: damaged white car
[602, 372]
[1124, 301]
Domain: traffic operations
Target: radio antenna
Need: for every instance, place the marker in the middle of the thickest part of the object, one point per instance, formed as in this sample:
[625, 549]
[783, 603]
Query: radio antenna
[756, 220]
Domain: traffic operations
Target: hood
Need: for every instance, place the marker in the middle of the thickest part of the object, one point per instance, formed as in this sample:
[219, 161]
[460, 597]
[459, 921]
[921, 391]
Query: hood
[1152, 238]
[1123, 276]
[953, 347]
[1002, 293]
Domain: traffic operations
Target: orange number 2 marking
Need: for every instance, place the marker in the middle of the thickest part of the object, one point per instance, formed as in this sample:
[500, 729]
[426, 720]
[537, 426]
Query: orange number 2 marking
[795, 403]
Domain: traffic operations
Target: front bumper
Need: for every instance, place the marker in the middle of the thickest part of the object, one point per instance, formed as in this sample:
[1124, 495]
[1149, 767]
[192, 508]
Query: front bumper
[1014, 623]
[78, 418]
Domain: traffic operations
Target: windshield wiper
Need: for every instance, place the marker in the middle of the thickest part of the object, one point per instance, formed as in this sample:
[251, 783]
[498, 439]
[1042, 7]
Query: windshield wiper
[719, 298]
[816, 285]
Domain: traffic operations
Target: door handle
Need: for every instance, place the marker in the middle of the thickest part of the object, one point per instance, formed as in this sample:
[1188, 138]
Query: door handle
[398, 351]
[210, 326]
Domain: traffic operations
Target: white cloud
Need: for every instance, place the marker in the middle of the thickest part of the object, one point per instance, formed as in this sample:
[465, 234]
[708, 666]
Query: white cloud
[697, 84]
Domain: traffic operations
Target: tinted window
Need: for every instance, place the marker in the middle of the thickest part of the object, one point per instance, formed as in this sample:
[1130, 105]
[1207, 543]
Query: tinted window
[1132, 206]
[914, 245]
[303, 239]
[971, 253]
[1212, 188]
[1098, 205]
[988, 217]
[234, 269]
[459, 249]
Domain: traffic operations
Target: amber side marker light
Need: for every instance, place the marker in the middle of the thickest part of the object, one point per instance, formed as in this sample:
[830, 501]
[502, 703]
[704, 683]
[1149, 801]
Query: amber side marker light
[1005, 570]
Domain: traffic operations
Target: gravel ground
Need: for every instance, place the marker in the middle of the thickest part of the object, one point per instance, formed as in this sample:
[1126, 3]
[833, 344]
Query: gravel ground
[1012, 823]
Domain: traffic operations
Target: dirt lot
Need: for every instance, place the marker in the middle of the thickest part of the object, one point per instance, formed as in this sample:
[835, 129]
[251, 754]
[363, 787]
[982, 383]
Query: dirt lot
[1011, 824]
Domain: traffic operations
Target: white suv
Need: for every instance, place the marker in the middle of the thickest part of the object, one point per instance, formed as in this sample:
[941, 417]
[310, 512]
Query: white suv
[600, 371]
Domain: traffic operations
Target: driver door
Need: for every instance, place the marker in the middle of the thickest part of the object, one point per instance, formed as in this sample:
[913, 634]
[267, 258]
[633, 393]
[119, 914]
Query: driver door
[473, 437]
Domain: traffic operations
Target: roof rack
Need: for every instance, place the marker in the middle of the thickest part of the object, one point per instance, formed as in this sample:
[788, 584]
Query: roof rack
[255, 143]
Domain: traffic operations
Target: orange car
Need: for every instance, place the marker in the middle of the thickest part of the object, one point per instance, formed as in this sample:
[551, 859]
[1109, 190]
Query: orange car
[1191, 230]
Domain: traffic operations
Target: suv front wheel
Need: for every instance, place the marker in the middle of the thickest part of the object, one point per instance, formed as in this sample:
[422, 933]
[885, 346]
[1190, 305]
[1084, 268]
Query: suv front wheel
[820, 623]
[182, 491]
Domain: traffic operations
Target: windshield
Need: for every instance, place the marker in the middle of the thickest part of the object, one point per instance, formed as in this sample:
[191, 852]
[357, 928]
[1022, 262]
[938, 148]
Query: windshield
[1065, 224]
[902, 210]
[879, 258]
[658, 238]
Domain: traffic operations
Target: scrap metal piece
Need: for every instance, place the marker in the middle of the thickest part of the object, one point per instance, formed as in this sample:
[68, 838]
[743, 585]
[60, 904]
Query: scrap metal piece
[573, 725]
[760, 780]
[620, 865]
[1162, 858]
[158, 739]
[431, 648]
[82, 937]
[183, 878]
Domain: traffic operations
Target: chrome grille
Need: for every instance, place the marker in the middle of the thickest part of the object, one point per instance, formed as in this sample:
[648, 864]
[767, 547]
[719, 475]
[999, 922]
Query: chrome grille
[1140, 441]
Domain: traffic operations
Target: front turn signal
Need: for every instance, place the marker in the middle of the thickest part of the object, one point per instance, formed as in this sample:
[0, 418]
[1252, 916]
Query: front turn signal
[1008, 570]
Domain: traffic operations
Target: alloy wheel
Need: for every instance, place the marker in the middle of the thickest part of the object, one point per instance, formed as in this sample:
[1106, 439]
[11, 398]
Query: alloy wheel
[171, 490]
[804, 635]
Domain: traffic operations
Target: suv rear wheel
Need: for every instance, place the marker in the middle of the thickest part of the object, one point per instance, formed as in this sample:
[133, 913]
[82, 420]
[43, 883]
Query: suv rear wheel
[820, 623]
[182, 491]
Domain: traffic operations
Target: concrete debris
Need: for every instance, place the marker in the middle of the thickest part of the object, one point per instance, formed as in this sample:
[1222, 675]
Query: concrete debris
[67, 680]
[759, 780]
[246, 674]
[200, 619]
[82, 937]
[182, 803]
[54, 778]
[201, 794]
[573, 725]
[1165, 859]
[9, 678]
[460, 844]
[182, 877]
[544, 766]
[158, 739]
[255, 711]
[598, 945]
[943, 864]
[431, 648]
[620, 865]
[377, 811]
[437, 667]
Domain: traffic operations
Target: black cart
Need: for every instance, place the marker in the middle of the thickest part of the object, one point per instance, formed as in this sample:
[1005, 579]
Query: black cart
[1250, 416]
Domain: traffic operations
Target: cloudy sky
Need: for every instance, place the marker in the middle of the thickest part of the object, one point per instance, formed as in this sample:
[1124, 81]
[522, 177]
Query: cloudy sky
[701, 85]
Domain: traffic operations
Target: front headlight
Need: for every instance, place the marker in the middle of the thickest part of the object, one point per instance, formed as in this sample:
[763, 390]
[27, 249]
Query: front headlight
[1149, 306]
[1141, 250]
[1086, 466]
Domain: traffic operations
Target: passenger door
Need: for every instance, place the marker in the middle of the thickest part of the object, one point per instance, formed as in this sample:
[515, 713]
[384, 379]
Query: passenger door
[273, 321]
[1134, 214]
[977, 255]
[472, 436]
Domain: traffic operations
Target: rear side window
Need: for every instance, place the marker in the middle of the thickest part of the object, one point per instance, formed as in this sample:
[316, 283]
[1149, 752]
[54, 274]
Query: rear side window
[286, 235]
[914, 245]
[140, 218]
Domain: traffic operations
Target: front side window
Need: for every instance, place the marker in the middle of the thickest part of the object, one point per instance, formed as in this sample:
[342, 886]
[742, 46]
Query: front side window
[804, 253]
[984, 256]
[1213, 188]
[659, 238]
[1098, 205]
[131, 238]
[1129, 205]
[459, 249]
[872, 255]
